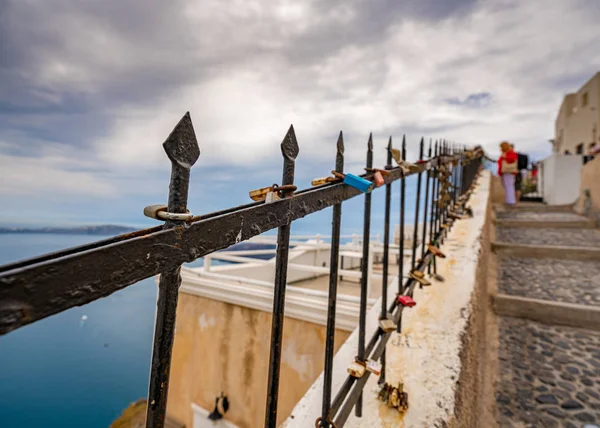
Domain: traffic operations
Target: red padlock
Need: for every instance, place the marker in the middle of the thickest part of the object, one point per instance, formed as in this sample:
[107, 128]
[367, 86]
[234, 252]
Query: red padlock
[378, 179]
[406, 301]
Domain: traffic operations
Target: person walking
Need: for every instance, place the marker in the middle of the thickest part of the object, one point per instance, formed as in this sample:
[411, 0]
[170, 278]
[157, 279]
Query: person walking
[507, 170]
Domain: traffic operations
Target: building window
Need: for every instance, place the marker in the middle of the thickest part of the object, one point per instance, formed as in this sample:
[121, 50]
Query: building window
[584, 99]
[579, 149]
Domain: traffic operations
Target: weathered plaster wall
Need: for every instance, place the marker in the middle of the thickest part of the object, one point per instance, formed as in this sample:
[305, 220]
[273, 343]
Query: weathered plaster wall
[222, 347]
[590, 179]
[496, 190]
[472, 407]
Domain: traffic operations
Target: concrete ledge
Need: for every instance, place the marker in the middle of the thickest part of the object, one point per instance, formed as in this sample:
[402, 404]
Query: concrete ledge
[546, 251]
[577, 224]
[547, 311]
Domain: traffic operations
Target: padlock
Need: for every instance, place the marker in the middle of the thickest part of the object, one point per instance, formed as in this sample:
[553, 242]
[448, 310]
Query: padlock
[420, 280]
[436, 251]
[357, 369]
[384, 393]
[397, 155]
[387, 325]
[324, 180]
[153, 210]
[272, 197]
[378, 179]
[260, 194]
[406, 301]
[418, 273]
[394, 399]
[454, 215]
[374, 367]
[402, 399]
[358, 182]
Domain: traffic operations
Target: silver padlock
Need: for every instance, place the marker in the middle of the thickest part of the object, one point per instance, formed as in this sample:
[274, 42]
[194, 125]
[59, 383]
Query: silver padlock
[272, 197]
[374, 367]
[357, 369]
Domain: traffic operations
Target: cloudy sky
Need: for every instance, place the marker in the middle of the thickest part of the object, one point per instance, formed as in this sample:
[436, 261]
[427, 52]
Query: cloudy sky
[90, 89]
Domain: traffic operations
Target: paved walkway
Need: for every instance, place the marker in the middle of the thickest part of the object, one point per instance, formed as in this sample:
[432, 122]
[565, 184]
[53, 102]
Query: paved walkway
[549, 376]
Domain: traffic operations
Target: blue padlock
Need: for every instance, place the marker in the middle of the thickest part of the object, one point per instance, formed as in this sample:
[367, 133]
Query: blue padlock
[358, 183]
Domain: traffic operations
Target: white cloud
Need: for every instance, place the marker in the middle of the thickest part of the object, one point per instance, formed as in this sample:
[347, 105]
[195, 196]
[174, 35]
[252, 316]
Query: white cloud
[247, 70]
[513, 50]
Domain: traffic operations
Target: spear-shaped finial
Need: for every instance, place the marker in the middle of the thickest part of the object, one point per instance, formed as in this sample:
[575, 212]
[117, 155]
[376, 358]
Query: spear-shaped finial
[289, 145]
[182, 149]
[290, 150]
[339, 156]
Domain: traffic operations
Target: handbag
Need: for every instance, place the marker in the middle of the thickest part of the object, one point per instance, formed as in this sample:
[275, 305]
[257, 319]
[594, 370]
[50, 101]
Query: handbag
[509, 168]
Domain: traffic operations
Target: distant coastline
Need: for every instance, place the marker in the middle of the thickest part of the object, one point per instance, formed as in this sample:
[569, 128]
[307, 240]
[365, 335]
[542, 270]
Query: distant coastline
[79, 230]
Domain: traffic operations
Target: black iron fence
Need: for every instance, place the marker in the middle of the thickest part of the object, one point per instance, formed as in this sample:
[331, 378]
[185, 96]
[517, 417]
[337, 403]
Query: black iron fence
[33, 289]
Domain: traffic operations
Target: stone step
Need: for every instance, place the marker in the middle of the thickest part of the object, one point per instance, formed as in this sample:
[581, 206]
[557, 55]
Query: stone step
[588, 238]
[548, 376]
[533, 224]
[545, 251]
[547, 312]
[554, 279]
[534, 207]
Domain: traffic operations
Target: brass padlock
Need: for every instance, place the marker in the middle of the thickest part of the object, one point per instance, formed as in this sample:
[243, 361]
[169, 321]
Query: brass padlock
[455, 216]
[384, 393]
[394, 399]
[402, 399]
[260, 194]
[436, 251]
[418, 273]
[420, 279]
[387, 325]
[324, 180]
[357, 369]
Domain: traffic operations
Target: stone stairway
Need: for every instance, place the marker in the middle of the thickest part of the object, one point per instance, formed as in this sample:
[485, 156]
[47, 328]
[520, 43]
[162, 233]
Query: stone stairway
[548, 305]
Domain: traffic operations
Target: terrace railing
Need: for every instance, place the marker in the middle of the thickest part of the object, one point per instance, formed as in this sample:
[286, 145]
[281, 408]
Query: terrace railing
[33, 289]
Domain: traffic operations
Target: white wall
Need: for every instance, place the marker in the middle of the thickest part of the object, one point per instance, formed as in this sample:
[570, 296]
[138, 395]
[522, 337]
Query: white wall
[561, 178]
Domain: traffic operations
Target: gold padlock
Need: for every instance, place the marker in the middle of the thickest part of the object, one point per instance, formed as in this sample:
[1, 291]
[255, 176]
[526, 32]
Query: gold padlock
[357, 369]
[387, 325]
[260, 194]
[394, 399]
[436, 251]
[421, 280]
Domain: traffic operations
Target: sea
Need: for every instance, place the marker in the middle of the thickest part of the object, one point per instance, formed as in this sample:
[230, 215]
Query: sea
[82, 367]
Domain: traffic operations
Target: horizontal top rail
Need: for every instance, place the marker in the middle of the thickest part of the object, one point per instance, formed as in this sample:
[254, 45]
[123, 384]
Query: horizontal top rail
[42, 286]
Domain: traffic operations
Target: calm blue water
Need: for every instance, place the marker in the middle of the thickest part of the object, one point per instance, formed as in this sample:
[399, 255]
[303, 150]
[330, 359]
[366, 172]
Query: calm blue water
[65, 372]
